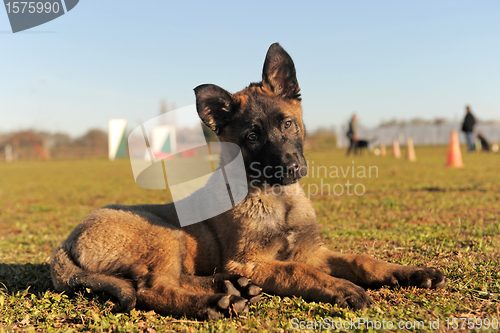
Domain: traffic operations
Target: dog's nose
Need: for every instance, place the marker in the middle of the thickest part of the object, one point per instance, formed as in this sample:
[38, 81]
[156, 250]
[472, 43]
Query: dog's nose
[289, 172]
[292, 167]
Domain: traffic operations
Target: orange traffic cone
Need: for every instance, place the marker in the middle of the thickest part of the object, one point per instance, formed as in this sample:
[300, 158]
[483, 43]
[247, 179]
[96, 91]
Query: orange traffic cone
[396, 152]
[410, 150]
[383, 152]
[454, 153]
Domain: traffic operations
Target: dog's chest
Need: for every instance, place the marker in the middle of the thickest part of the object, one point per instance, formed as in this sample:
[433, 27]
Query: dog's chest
[266, 226]
[263, 213]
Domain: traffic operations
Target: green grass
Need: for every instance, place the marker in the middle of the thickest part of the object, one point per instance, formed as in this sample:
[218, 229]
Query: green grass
[418, 213]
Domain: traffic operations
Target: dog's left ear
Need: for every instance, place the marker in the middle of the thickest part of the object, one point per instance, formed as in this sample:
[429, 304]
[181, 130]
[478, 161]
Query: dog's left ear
[215, 106]
[279, 75]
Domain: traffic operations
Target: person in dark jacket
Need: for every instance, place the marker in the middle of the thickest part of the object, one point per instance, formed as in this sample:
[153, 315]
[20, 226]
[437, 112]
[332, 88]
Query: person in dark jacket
[468, 128]
[352, 134]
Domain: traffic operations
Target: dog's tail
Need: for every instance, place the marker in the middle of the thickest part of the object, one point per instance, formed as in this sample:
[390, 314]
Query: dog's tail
[67, 276]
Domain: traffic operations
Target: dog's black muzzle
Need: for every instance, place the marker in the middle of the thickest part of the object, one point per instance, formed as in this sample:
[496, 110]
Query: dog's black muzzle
[288, 173]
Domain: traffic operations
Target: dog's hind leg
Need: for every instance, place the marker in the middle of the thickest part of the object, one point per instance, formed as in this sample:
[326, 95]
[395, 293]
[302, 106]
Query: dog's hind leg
[168, 299]
[230, 284]
[69, 277]
[119, 288]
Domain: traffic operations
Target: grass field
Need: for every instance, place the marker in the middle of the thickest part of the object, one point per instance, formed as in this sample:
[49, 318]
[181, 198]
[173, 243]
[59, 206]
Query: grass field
[416, 213]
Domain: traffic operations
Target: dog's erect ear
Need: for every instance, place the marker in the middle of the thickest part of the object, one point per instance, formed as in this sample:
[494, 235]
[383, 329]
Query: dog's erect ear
[215, 106]
[278, 74]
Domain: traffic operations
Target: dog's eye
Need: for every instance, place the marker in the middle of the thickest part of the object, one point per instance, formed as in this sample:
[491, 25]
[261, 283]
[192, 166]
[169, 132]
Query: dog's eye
[252, 137]
[288, 123]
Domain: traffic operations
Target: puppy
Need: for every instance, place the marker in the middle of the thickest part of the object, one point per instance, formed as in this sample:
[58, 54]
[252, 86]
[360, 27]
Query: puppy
[141, 255]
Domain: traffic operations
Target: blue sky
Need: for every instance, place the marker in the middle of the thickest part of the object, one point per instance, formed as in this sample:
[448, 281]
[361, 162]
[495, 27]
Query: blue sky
[382, 59]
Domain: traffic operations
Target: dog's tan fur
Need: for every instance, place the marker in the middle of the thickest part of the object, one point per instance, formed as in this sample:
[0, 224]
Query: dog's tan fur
[140, 255]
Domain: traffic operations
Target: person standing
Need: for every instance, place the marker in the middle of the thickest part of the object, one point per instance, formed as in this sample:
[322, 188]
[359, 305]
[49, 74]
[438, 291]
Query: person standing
[468, 128]
[352, 134]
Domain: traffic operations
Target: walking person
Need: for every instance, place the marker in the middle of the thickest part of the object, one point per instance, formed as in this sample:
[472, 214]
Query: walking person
[352, 134]
[468, 128]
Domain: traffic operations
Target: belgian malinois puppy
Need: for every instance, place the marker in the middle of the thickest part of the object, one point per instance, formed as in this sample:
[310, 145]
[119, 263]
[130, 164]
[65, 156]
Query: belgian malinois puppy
[140, 255]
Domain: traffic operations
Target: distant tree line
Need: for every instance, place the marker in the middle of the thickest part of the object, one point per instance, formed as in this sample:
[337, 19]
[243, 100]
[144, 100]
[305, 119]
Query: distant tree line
[32, 144]
[422, 121]
[322, 138]
[414, 121]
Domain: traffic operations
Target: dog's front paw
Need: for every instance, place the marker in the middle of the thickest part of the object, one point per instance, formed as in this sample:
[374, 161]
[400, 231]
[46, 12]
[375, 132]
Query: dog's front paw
[422, 277]
[226, 306]
[349, 295]
[240, 293]
[242, 286]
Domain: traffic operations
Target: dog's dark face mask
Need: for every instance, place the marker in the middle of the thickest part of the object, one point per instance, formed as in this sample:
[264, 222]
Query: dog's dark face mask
[264, 120]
